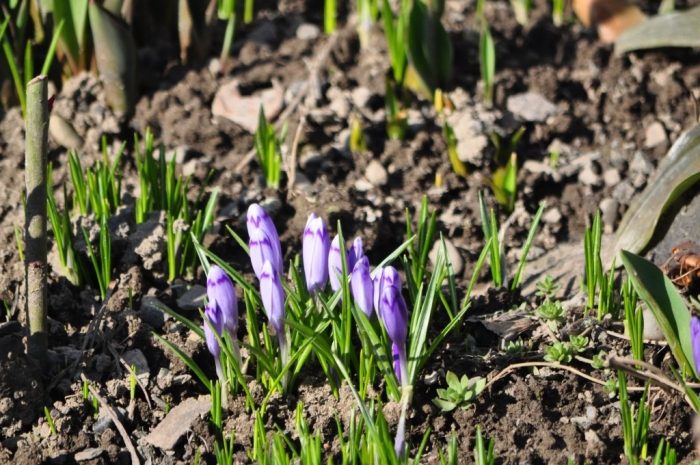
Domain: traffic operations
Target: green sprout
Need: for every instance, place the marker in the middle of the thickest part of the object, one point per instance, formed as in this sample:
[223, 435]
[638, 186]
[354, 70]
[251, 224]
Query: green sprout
[634, 320]
[49, 420]
[487, 56]
[504, 183]
[132, 382]
[452, 456]
[103, 264]
[458, 165]
[522, 8]
[483, 455]
[395, 33]
[635, 428]
[396, 117]
[598, 363]
[665, 454]
[515, 347]
[330, 14]
[267, 146]
[546, 288]
[558, 12]
[459, 393]
[552, 312]
[594, 269]
[559, 352]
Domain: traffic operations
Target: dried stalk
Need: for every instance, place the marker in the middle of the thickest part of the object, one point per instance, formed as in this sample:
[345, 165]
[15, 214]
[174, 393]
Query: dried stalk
[37, 133]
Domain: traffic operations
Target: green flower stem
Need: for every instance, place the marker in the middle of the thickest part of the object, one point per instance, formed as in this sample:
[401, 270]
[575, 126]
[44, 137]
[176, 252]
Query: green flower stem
[37, 130]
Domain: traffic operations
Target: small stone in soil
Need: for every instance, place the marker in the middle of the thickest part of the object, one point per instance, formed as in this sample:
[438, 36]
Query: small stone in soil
[531, 106]
[452, 252]
[361, 97]
[624, 192]
[151, 314]
[552, 216]
[193, 298]
[308, 31]
[608, 208]
[88, 454]
[641, 163]
[611, 177]
[180, 419]
[376, 173]
[655, 135]
[588, 177]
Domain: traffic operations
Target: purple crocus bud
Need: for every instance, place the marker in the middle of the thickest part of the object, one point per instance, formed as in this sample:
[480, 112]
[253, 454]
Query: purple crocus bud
[261, 250]
[355, 253]
[382, 277]
[258, 219]
[396, 356]
[315, 247]
[335, 263]
[362, 287]
[212, 313]
[221, 294]
[272, 297]
[695, 340]
[394, 315]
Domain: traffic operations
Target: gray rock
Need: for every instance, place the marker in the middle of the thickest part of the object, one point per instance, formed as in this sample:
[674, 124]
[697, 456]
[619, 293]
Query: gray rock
[552, 216]
[376, 173]
[361, 97]
[655, 135]
[135, 359]
[452, 253]
[193, 298]
[308, 31]
[624, 192]
[63, 133]
[652, 330]
[178, 422]
[608, 208]
[531, 106]
[641, 163]
[588, 177]
[151, 314]
[611, 177]
[338, 102]
[88, 454]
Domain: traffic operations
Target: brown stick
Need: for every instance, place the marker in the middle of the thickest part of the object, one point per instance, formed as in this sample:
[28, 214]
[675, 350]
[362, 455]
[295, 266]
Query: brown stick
[117, 423]
[37, 140]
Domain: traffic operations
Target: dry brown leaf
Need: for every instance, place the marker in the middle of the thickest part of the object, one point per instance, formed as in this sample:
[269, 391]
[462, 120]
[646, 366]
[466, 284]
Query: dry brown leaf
[612, 17]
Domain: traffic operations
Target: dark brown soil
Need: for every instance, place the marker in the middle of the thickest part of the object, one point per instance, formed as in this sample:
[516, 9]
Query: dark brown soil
[605, 105]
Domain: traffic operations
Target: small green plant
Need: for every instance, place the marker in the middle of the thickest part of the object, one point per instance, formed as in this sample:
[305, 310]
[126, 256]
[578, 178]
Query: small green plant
[559, 352]
[452, 456]
[487, 60]
[635, 428]
[552, 312]
[611, 387]
[546, 288]
[457, 165]
[634, 319]
[396, 116]
[49, 420]
[459, 393]
[483, 455]
[329, 16]
[367, 12]
[515, 347]
[504, 183]
[71, 264]
[358, 143]
[594, 269]
[267, 145]
[558, 12]
[132, 382]
[395, 32]
[103, 263]
[578, 343]
[598, 362]
[20, 242]
[522, 8]
[226, 11]
[665, 454]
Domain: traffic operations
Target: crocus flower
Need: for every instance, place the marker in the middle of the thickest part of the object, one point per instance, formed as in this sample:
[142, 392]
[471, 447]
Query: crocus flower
[355, 253]
[362, 287]
[262, 250]
[315, 247]
[695, 340]
[258, 219]
[273, 297]
[394, 315]
[335, 263]
[383, 276]
[212, 313]
[222, 295]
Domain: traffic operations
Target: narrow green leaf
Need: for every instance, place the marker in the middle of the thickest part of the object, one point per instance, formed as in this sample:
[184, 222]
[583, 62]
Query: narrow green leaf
[678, 29]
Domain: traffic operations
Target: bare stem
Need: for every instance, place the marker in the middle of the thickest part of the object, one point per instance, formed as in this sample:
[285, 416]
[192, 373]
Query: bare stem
[37, 127]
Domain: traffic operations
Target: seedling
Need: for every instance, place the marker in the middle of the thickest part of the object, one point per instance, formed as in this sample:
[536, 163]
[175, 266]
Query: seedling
[522, 8]
[396, 117]
[357, 136]
[457, 165]
[594, 269]
[329, 16]
[20, 242]
[103, 264]
[578, 343]
[267, 145]
[558, 12]
[634, 320]
[559, 352]
[132, 382]
[552, 312]
[598, 362]
[452, 456]
[367, 11]
[226, 10]
[546, 288]
[665, 458]
[460, 392]
[395, 33]
[515, 347]
[487, 55]
[483, 455]
[72, 266]
[49, 420]
[635, 429]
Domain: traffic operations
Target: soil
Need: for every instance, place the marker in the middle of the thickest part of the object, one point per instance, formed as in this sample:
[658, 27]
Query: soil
[603, 107]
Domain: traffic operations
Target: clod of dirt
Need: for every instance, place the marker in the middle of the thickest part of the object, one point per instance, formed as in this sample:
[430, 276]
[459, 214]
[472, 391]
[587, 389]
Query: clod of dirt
[148, 244]
[21, 397]
[531, 107]
[180, 419]
[151, 314]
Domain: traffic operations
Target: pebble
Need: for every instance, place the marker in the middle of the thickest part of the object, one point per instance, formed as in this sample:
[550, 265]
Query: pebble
[214, 66]
[338, 103]
[452, 252]
[589, 177]
[135, 359]
[178, 153]
[363, 186]
[655, 135]
[531, 106]
[641, 163]
[611, 177]
[538, 167]
[376, 174]
[88, 454]
[193, 298]
[63, 133]
[178, 422]
[415, 119]
[308, 31]
[361, 97]
[151, 314]
[552, 216]
[624, 192]
[652, 330]
[608, 208]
